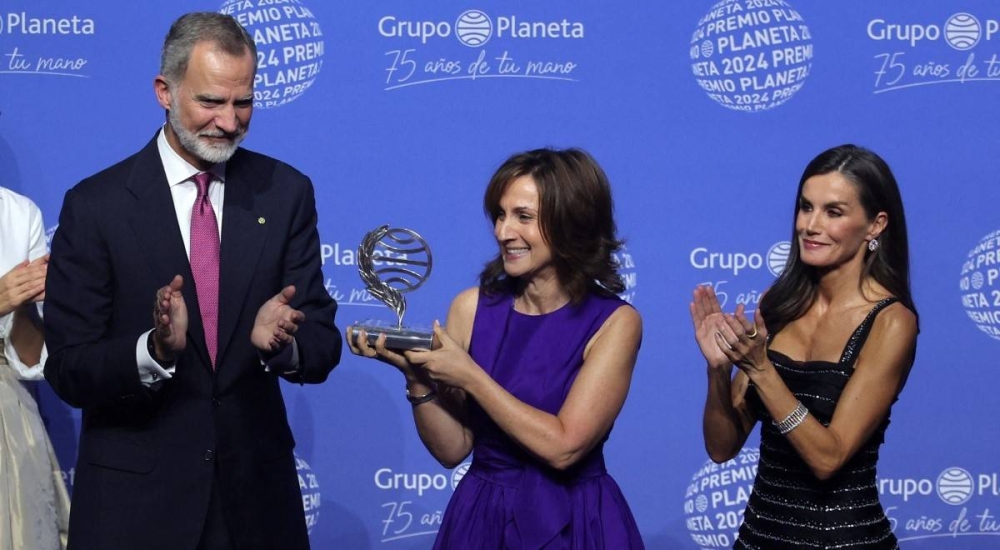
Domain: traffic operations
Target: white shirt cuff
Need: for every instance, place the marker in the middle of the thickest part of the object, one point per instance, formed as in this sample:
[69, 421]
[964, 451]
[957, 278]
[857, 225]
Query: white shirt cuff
[149, 370]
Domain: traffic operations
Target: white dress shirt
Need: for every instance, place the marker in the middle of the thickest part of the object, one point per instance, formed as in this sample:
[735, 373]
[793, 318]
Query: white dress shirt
[184, 192]
[22, 237]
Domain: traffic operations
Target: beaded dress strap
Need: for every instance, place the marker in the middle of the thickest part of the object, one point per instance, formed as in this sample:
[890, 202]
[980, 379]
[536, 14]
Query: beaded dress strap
[857, 339]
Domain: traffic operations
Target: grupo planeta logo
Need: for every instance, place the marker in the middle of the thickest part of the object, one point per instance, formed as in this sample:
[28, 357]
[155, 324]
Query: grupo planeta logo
[290, 47]
[962, 31]
[58, 58]
[751, 55]
[957, 503]
[499, 46]
[980, 285]
[915, 52]
[29, 24]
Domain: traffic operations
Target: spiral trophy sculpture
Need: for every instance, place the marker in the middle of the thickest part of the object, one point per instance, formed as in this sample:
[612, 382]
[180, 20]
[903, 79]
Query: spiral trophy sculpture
[392, 261]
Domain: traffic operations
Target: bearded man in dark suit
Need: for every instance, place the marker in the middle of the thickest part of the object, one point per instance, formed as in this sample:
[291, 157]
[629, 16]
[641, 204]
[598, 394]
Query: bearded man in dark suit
[184, 281]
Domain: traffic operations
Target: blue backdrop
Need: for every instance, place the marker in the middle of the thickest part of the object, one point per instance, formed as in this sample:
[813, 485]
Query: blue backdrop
[702, 115]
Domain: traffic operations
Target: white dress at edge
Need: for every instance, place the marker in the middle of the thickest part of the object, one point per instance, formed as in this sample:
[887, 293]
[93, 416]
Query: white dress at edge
[34, 506]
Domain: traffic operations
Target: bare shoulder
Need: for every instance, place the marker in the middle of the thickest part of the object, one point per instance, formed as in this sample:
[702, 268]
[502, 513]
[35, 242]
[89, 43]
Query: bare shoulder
[622, 328]
[461, 315]
[892, 342]
[464, 305]
[627, 318]
[895, 321]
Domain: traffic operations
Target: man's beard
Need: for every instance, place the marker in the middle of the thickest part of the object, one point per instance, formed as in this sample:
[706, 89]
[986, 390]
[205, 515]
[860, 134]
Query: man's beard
[213, 153]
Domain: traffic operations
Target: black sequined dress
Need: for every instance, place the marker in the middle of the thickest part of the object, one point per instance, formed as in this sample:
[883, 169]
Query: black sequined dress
[789, 507]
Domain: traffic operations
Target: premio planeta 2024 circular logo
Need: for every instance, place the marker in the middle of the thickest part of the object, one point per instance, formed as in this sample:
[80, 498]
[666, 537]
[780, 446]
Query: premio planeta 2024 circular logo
[290, 48]
[716, 497]
[311, 496]
[980, 285]
[751, 55]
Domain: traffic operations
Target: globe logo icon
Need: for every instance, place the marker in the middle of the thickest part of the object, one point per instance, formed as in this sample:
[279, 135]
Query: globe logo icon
[701, 503]
[707, 48]
[977, 280]
[954, 486]
[473, 28]
[404, 247]
[777, 257]
[458, 473]
[962, 31]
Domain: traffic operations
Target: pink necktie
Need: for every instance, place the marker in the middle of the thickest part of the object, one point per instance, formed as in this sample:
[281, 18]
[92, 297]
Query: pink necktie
[205, 262]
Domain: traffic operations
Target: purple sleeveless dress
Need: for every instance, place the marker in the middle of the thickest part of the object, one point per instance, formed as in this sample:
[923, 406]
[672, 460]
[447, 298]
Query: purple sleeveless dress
[510, 500]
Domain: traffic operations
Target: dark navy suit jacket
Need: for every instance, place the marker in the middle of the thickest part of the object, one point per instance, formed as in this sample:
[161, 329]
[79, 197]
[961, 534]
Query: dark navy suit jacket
[148, 455]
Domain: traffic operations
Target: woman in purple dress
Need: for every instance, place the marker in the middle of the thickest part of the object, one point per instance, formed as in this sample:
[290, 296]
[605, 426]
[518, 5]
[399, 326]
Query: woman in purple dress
[533, 368]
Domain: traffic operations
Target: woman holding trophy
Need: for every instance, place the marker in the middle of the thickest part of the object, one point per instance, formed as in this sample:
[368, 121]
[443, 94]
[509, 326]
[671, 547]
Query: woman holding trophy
[533, 368]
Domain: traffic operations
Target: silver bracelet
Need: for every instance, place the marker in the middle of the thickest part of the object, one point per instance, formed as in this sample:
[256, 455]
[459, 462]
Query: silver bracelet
[420, 399]
[793, 419]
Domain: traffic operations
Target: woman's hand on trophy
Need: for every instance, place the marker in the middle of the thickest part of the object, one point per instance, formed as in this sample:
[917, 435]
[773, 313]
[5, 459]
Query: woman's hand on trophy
[360, 346]
[448, 363]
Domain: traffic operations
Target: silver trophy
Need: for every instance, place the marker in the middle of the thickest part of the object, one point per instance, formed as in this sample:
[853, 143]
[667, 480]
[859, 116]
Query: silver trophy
[403, 264]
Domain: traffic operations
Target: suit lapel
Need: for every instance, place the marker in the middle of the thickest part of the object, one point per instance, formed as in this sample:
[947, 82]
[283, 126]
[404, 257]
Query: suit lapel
[154, 221]
[244, 232]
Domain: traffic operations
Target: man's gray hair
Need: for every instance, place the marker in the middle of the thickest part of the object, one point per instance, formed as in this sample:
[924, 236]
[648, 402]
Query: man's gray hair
[222, 30]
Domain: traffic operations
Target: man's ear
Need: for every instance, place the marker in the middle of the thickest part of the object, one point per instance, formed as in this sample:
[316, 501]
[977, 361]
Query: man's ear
[163, 93]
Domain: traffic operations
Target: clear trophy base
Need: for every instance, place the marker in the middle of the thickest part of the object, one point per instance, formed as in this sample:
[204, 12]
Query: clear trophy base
[404, 338]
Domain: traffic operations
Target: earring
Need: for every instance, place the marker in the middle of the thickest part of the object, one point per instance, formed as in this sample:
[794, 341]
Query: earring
[873, 245]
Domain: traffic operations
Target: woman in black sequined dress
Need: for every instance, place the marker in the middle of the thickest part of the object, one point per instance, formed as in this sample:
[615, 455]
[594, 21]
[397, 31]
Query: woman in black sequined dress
[822, 362]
